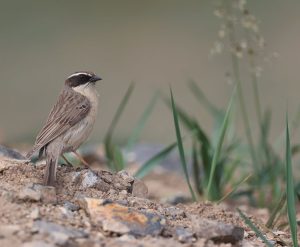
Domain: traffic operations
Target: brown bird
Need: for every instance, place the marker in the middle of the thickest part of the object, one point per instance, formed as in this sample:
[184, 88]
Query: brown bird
[69, 123]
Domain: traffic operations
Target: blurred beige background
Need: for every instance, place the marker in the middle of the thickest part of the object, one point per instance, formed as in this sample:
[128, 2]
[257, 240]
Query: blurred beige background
[154, 43]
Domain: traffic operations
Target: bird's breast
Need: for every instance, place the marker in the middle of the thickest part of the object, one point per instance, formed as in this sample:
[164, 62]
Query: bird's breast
[78, 133]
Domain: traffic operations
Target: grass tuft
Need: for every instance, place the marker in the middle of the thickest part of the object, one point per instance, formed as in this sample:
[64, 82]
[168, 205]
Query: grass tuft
[180, 145]
[113, 154]
[154, 161]
[219, 146]
[133, 138]
[255, 229]
[290, 188]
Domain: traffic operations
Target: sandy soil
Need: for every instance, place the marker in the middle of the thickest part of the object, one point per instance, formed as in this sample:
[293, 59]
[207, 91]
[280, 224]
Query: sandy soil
[100, 208]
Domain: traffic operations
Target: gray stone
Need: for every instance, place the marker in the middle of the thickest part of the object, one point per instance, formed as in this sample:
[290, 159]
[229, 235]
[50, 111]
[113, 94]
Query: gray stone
[66, 213]
[89, 180]
[10, 153]
[123, 192]
[216, 231]
[75, 177]
[145, 242]
[106, 176]
[125, 176]
[58, 234]
[35, 214]
[184, 235]
[127, 237]
[176, 199]
[37, 244]
[37, 192]
[139, 189]
[48, 193]
[71, 206]
[122, 202]
[123, 181]
[30, 194]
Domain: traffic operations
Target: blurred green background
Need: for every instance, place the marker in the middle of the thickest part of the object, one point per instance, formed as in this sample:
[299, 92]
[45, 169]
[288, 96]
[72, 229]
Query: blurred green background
[153, 43]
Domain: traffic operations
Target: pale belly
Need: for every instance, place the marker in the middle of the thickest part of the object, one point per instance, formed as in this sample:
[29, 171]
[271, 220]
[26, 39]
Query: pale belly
[74, 137]
[80, 132]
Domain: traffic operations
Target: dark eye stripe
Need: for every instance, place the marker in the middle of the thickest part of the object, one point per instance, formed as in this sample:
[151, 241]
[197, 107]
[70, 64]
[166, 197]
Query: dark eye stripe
[78, 80]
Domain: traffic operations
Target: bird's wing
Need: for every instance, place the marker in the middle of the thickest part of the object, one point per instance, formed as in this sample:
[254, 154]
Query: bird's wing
[70, 108]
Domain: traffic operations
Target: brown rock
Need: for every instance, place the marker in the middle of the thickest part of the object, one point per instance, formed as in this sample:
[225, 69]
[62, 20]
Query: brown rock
[48, 193]
[8, 230]
[120, 219]
[123, 181]
[125, 176]
[37, 192]
[58, 234]
[30, 194]
[216, 231]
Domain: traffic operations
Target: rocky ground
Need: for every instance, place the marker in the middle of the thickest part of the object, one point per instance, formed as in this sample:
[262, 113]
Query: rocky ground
[92, 208]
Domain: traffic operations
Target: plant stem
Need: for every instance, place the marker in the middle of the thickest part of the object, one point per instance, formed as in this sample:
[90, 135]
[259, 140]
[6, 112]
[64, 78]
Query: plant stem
[236, 74]
[256, 93]
[258, 108]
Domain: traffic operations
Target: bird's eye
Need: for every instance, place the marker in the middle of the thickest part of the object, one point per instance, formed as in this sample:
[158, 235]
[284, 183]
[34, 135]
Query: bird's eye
[82, 107]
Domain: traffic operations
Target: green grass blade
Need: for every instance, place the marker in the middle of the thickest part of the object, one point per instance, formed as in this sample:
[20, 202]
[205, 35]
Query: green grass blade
[190, 123]
[119, 111]
[142, 121]
[118, 159]
[109, 148]
[154, 161]
[229, 170]
[217, 114]
[234, 188]
[180, 146]
[290, 188]
[219, 145]
[276, 211]
[200, 96]
[196, 168]
[255, 229]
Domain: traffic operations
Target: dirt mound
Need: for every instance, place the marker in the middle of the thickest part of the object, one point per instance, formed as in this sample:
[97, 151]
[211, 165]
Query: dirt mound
[100, 208]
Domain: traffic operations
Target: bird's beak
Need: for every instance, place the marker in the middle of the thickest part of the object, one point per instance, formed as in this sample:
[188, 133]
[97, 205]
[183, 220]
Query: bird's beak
[95, 78]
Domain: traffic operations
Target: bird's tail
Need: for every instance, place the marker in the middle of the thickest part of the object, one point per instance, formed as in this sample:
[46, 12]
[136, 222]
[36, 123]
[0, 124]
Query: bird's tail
[50, 171]
[30, 154]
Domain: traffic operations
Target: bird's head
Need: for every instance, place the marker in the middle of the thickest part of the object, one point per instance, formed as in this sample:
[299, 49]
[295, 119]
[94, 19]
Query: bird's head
[81, 78]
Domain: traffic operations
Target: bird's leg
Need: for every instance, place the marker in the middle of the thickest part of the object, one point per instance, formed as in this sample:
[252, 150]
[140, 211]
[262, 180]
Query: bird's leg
[66, 160]
[81, 159]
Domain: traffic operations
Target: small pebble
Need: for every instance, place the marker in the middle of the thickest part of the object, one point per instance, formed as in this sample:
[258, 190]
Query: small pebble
[35, 214]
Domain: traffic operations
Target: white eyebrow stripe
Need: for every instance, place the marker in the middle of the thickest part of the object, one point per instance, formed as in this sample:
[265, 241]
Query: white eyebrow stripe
[79, 73]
